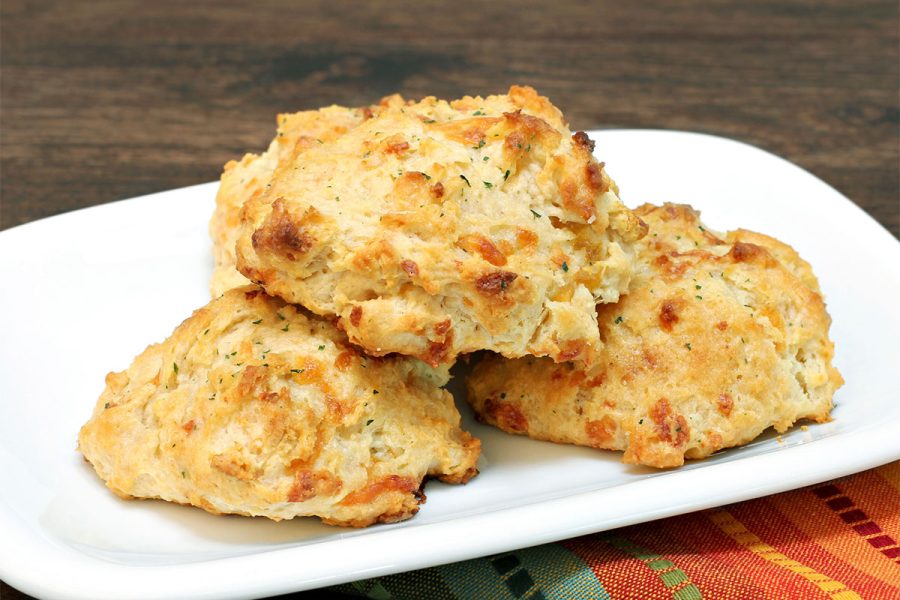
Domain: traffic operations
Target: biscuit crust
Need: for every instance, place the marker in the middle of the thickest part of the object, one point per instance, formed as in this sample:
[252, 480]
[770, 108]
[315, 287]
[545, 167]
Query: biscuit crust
[719, 338]
[438, 228]
[254, 407]
[247, 178]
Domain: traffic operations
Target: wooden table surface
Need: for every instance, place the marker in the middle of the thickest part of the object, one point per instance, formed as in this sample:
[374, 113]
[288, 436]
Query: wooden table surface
[101, 101]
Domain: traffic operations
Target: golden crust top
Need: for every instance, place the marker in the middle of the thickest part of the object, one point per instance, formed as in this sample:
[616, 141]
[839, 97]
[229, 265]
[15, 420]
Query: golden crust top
[248, 178]
[718, 338]
[437, 228]
[255, 408]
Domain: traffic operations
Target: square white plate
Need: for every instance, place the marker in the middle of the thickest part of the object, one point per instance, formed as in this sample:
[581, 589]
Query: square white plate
[85, 292]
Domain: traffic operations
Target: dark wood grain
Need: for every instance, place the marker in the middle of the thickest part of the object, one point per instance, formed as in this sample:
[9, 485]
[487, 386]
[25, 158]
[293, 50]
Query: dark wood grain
[102, 101]
[107, 100]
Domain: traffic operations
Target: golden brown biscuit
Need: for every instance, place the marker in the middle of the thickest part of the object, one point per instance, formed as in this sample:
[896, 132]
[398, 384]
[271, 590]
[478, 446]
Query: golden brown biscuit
[247, 178]
[438, 228]
[716, 341]
[254, 408]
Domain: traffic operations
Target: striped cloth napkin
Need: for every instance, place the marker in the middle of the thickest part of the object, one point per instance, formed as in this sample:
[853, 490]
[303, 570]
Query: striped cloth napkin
[834, 540]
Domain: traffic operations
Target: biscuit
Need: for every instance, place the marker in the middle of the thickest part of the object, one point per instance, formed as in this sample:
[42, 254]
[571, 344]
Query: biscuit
[254, 407]
[247, 178]
[719, 338]
[435, 229]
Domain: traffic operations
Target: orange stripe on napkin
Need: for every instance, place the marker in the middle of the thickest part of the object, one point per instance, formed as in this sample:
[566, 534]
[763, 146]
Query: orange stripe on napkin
[765, 520]
[881, 504]
[864, 566]
[857, 521]
[891, 473]
[725, 521]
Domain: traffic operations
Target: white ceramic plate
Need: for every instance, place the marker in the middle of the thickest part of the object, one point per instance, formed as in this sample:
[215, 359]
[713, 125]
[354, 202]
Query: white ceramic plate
[85, 292]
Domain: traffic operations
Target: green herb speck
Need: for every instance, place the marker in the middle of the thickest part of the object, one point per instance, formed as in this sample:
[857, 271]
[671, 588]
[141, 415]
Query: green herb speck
[175, 368]
[464, 179]
[488, 184]
[257, 322]
[322, 347]
[618, 320]
[536, 214]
